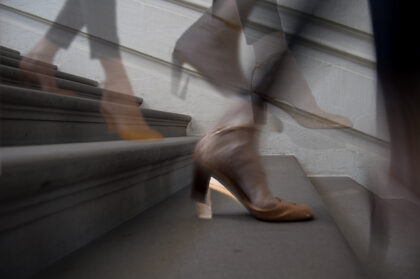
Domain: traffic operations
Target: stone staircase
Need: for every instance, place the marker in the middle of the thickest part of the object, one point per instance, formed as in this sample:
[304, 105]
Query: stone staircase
[168, 241]
[77, 202]
[64, 179]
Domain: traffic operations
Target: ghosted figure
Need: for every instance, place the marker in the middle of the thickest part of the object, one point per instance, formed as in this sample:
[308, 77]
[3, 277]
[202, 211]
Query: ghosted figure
[99, 17]
[398, 69]
[398, 66]
[211, 46]
[288, 89]
[229, 152]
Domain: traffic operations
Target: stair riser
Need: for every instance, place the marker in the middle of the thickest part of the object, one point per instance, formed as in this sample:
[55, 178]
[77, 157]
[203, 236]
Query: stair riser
[69, 181]
[15, 77]
[43, 241]
[13, 62]
[9, 49]
[32, 169]
[32, 117]
[10, 54]
[17, 56]
[7, 61]
[32, 127]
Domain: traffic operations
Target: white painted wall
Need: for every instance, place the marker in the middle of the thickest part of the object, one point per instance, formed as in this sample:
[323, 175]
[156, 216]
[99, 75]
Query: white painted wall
[338, 66]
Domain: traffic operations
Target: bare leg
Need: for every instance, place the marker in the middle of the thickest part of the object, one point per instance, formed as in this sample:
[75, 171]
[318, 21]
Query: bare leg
[44, 50]
[230, 154]
[289, 90]
[34, 71]
[127, 120]
[245, 142]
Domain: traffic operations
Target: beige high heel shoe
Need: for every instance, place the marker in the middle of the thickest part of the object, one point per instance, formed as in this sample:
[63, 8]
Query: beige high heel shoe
[127, 121]
[230, 156]
[204, 210]
[210, 46]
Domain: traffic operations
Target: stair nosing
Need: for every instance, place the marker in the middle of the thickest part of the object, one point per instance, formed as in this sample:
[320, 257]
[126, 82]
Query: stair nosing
[63, 84]
[11, 62]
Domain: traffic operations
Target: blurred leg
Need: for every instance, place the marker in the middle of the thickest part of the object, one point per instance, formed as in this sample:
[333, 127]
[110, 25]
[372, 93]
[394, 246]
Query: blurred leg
[46, 49]
[71, 15]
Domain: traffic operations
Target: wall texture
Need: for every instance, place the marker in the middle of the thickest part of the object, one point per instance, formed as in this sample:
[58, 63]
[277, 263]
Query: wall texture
[336, 59]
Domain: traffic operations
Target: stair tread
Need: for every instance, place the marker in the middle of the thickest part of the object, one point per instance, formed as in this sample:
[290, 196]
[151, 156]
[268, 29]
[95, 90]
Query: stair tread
[11, 62]
[19, 57]
[31, 117]
[351, 206]
[9, 49]
[12, 95]
[14, 76]
[168, 241]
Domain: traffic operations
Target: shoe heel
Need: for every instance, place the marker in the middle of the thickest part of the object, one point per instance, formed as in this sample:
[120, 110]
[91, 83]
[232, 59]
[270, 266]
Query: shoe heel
[215, 185]
[204, 210]
[176, 72]
[200, 192]
[200, 185]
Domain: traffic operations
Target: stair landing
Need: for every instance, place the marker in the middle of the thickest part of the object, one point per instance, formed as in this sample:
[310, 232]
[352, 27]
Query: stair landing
[168, 241]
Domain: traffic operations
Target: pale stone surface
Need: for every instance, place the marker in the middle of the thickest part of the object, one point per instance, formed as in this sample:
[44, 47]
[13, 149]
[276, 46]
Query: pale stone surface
[342, 80]
[354, 13]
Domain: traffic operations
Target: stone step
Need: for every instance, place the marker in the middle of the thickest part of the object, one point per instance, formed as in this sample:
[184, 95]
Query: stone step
[35, 117]
[14, 76]
[11, 54]
[11, 62]
[382, 232]
[57, 198]
[19, 57]
[9, 49]
[168, 241]
[349, 204]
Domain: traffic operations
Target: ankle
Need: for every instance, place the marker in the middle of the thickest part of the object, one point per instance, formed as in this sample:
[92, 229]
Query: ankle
[44, 50]
[228, 23]
[227, 11]
[239, 115]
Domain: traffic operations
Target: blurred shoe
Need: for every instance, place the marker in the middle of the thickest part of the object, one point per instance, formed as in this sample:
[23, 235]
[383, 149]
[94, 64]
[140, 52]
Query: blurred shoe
[230, 155]
[126, 120]
[288, 89]
[37, 72]
[204, 210]
[36, 67]
[210, 45]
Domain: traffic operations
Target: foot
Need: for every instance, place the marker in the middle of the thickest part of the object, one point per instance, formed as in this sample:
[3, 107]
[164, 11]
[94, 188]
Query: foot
[210, 45]
[37, 67]
[230, 155]
[290, 90]
[124, 117]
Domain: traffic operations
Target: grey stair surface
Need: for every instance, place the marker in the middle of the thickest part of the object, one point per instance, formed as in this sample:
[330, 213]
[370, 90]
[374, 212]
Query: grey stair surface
[65, 180]
[382, 232]
[11, 54]
[34, 117]
[350, 206]
[57, 198]
[15, 76]
[9, 49]
[16, 55]
[11, 62]
[168, 241]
